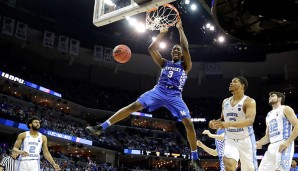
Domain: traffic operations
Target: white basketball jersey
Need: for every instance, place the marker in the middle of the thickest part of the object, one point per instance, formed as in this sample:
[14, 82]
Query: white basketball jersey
[32, 146]
[279, 126]
[236, 113]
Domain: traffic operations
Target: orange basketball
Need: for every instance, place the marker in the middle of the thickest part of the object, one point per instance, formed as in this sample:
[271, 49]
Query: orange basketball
[121, 54]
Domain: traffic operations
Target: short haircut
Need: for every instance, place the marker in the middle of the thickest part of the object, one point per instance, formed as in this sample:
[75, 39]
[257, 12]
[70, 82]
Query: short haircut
[182, 57]
[279, 94]
[243, 81]
[30, 120]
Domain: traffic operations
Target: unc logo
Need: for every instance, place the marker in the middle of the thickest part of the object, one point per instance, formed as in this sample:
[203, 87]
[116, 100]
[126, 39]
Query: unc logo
[227, 104]
[183, 113]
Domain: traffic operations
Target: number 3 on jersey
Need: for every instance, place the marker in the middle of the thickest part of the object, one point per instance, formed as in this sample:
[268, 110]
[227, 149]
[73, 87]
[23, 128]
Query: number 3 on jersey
[170, 74]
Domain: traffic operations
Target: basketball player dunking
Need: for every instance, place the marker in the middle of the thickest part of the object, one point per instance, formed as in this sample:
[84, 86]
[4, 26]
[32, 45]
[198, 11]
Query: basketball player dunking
[32, 142]
[238, 115]
[167, 92]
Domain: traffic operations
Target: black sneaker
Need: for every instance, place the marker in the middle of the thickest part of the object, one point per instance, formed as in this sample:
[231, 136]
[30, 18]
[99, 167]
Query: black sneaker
[197, 165]
[94, 130]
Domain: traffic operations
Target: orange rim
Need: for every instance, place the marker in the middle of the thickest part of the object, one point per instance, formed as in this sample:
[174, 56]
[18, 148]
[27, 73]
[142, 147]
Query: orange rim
[169, 6]
[177, 13]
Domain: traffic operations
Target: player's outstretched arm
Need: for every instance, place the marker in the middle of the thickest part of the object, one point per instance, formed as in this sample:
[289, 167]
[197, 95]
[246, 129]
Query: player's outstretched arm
[153, 48]
[184, 46]
[47, 154]
[214, 136]
[207, 149]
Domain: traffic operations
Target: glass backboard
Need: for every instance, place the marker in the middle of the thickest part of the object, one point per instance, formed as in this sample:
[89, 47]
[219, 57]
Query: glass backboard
[109, 11]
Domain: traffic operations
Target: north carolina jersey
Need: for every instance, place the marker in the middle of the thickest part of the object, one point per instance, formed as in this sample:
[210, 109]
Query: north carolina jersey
[32, 146]
[236, 113]
[173, 75]
[279, 126]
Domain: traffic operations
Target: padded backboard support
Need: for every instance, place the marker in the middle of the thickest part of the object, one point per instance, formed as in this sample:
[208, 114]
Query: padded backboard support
[109, 11]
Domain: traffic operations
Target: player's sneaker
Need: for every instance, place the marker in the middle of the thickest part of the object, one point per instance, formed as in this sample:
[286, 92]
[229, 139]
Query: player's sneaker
[197, 165]
[94, 130]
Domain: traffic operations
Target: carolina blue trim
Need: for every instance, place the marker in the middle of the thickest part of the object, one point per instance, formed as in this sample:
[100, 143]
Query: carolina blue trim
[254, 151]
[286, 157]
[287, 128]
[19, 165]
[38, 162]
[250, 130]
[22, 148]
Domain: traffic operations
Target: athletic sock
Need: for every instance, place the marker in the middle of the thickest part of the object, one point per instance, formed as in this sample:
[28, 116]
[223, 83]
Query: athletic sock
[106, 124]
[194, 155]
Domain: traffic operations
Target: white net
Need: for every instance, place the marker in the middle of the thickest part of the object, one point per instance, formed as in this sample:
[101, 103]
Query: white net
[164, 16]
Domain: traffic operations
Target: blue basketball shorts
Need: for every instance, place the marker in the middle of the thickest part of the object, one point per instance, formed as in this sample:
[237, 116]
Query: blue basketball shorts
[161, 97]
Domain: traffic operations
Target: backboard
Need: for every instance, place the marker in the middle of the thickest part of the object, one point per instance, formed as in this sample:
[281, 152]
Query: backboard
[109, 11]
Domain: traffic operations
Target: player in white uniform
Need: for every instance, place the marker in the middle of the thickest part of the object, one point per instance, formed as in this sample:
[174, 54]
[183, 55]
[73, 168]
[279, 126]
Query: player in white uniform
[32, 142]
[280, 133]
[238, 115]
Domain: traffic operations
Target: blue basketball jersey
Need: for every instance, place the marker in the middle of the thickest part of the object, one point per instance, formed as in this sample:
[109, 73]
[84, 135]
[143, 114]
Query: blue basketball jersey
[167, 92]
[172, 76]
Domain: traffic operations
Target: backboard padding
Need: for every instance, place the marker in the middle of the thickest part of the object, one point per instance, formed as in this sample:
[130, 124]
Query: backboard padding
[109, 11]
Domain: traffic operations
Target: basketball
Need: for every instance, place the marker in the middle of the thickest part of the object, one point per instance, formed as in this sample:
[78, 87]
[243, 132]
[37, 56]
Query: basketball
[121, 54]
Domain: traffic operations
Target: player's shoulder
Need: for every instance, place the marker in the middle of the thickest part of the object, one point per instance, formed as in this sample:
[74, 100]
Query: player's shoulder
[22, 135]
[249, 100]
[226, 100]
[287, 108]
[44, 137]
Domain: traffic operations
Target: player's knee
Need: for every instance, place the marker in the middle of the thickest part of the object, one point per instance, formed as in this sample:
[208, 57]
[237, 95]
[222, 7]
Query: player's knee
[229, 165]
[135, 106]
[188, 124]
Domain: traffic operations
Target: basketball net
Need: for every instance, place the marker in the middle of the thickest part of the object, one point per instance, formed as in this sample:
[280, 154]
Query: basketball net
[164, 16]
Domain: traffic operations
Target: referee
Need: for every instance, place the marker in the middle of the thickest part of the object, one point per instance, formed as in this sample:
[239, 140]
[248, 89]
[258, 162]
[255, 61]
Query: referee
[8, 162]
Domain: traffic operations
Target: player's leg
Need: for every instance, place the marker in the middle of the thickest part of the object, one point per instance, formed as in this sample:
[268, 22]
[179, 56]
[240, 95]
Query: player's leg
[285, 158]
[179, 109]
[118, 116]
[21, 166]
[125, 112]
[191, 134]
[148, 99]
[25, 165]
[230, 164]
[248, 153]
[34, 165]
[268, 162]
[231, 155]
